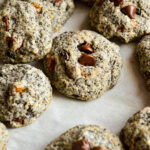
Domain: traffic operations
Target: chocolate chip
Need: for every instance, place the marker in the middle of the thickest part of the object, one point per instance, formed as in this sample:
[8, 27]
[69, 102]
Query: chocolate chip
[99, 148]
[19, 120]
[117, 2]
[86, 47]
[65, 55]
[138, 11]
[121, 28]
[10, 41]
[129, 10]
[1, 75]
[96, 148]
[87, 60]
[81, 145]
[5, 19]
[51, 64]
[10, 54]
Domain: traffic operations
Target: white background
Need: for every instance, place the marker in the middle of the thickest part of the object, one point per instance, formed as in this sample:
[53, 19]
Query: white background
[111, 110]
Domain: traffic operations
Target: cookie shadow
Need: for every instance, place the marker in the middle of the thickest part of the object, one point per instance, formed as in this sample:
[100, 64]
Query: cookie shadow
[85, 25]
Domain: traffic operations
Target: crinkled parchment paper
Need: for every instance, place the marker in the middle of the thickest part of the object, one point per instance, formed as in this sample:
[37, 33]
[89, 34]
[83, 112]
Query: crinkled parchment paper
[111, 110]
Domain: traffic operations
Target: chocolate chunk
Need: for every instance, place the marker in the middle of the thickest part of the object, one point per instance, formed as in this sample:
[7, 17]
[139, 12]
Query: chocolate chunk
[117, 2]
[121, 28]
[99, 148]
[86, 47]
[10, 41]
[19, 120]
[138, 11]
[51, 64]
[87, 60]
[5, 19]
[65, 55]
[129, 10]
[81, 145]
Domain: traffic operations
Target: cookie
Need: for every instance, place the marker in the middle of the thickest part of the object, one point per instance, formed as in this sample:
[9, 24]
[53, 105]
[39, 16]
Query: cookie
[3, 137]
[136, 133]
[25, 94]
[125, 19]
[25, 32]
[143, 56]
[83, 64]
[60, 11]
[86, 137]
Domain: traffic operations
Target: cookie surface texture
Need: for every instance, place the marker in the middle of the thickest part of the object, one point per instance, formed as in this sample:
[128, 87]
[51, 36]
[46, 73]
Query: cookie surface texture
[127, 20]
[25, 94]
[25, 32]
[60, 11]
[136, 133]
[143, 56]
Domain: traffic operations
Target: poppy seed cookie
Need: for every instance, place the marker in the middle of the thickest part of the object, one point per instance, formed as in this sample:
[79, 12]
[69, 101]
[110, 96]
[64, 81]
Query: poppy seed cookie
[25, 32]
[83, 64]
[60, 11]
[124, 19]
[143, 55]
[86, 137]
[3, 137]
[136, 133]
[25, 94]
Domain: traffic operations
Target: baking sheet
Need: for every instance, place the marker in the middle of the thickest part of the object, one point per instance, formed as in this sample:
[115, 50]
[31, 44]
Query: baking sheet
[111, 110]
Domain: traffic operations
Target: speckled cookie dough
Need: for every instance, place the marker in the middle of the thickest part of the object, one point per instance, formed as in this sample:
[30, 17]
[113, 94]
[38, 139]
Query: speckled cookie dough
[136, 134]
[83, 64]
[25, 32]
[60, 11]
[125, 19]
[143, 56]
[89, 137]
[25, 93]
[3, 137]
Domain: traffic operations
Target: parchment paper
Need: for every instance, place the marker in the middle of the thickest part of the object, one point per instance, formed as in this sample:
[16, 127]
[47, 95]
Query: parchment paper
[111, 110]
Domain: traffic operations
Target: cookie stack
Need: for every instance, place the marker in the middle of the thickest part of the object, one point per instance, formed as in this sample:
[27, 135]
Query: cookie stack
[81, 65]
